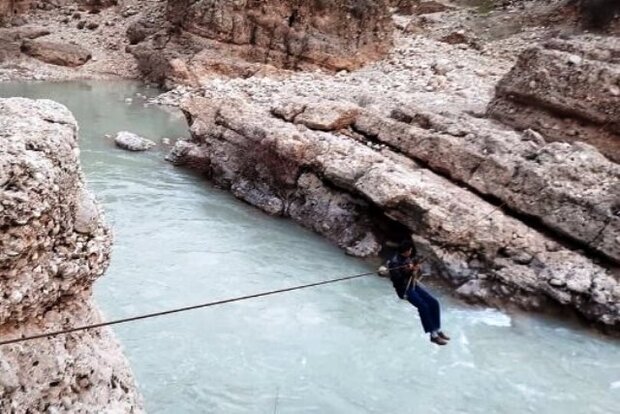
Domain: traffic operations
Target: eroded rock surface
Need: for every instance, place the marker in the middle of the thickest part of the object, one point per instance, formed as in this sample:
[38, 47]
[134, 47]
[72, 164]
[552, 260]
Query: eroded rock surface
[571, 189]
[62, 54]
[568, 90]
[293, 34]
[11, 40]
[53, 246]
[284, 167]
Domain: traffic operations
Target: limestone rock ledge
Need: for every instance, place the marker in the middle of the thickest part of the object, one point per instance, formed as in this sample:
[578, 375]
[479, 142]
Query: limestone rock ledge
[53, 245]
[286, 161]
[567, 90]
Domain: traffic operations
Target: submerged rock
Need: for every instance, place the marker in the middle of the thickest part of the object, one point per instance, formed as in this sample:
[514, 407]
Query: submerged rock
[53, 245]
[132, 142]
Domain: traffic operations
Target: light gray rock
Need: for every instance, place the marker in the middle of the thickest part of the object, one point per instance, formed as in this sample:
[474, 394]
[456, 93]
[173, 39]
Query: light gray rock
[87, 214]
[562, 89]
[132, 142]
[53, 246]
[571, 189]
[337, 185]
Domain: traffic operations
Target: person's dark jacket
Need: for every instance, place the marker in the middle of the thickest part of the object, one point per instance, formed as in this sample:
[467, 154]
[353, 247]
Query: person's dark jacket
[399, 274]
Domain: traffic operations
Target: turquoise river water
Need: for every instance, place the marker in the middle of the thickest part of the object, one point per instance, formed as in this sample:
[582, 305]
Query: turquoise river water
[346, 348]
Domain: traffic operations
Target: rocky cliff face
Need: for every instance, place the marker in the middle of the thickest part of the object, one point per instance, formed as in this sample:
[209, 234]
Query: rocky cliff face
[12, 7]
[290, 34]
[53, 246]
[303, 160]
[506, 215]
[568, 90]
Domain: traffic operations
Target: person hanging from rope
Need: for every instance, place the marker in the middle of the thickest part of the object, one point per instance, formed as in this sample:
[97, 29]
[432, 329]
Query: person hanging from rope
[405, 275]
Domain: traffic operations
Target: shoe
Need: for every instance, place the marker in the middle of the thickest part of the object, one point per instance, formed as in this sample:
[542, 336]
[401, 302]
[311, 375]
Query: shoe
[443, 336]
[439, 341]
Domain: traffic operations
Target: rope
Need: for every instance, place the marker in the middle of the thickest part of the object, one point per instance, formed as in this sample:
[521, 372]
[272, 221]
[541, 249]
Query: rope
[183, 309]
[216, 303]
[231, 300]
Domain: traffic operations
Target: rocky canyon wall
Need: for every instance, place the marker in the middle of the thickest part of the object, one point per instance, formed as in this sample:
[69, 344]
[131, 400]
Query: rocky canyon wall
[10, 8]
[310, 161]
[53, 245]
[291, 34]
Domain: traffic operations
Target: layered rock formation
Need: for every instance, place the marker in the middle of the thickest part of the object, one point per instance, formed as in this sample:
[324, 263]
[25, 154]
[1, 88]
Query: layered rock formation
[11, 40]
[568, 90]
[572, 190]
[63, 54]
[53, 246]
[291, 34]
[10, 8]
[307, 161]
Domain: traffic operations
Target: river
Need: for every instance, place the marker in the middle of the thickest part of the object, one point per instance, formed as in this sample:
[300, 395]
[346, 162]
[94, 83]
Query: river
[345, 348]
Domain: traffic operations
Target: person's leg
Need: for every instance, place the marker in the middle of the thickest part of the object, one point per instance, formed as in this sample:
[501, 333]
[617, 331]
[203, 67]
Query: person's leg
[416, 300]
[433, 308]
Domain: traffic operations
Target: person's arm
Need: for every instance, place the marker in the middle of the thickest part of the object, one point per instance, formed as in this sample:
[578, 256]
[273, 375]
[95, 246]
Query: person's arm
[416, 269]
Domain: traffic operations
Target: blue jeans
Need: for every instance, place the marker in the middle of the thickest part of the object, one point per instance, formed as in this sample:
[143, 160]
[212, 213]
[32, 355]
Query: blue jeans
[428, 308]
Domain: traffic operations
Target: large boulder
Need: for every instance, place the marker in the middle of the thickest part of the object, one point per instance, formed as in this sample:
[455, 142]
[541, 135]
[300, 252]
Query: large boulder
[62, 54]
[567, 90]
[11, 39]
[54, 244]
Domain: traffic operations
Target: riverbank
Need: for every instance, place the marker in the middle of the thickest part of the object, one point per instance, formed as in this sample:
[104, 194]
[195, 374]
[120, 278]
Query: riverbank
[420, 112]
[100, 35]
[346, 348]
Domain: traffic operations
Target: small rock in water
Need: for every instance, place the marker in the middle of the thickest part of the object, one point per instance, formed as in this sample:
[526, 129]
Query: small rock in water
[165, 141]
[132, 142]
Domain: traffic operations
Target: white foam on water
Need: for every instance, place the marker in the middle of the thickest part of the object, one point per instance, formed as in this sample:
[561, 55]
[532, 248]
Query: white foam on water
[464, 364]
[490, 317]
[614, 385]
[528, 391]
